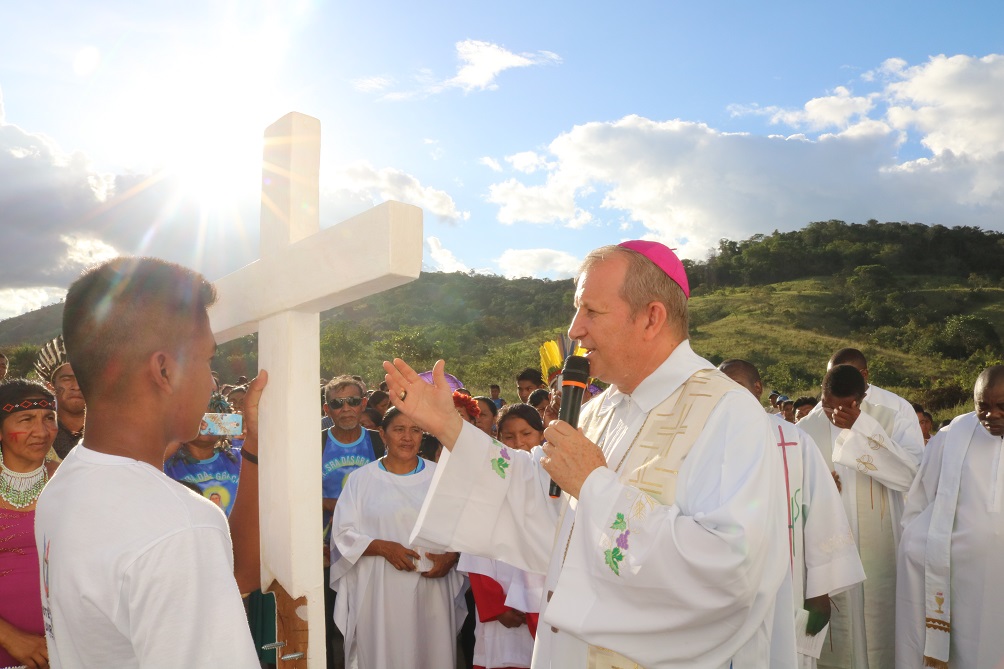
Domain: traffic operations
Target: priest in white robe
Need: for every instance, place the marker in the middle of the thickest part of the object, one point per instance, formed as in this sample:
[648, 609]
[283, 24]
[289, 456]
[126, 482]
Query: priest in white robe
[669, 549]
[824, 557]
[863, 445]
[950, 587]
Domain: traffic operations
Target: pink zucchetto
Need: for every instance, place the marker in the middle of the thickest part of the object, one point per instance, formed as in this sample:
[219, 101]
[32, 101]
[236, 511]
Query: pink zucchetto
[664, 258]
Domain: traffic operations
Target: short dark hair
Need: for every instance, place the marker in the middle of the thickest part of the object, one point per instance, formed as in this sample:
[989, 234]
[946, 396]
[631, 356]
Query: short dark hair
[389, 417]
[742, 372]
[531, 374]
[520, 410]
[538, 396]
[122, 310]
[805, 400]
[374, 415]
[495, 386]
[849, 356]
[491, 405]
[378, 396]
[844, 381]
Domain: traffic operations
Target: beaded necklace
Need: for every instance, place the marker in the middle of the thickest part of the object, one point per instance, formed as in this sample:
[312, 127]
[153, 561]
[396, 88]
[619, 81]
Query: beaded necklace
[21, 489]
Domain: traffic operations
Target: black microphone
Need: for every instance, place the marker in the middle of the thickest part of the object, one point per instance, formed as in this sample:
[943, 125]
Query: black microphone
[574, 379]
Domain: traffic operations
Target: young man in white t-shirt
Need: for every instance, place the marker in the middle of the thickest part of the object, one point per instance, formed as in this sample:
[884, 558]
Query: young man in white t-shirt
[131, 560]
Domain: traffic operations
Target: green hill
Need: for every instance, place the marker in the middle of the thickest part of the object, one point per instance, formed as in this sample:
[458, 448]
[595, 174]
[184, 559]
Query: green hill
[785, 302]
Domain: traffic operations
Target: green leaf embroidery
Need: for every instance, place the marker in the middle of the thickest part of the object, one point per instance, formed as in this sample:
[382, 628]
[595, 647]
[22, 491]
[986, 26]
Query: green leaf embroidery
[500, 465]
[619, 523]
[613, 556]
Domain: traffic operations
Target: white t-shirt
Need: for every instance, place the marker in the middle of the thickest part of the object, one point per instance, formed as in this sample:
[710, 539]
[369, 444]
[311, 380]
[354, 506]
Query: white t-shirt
[136, 570]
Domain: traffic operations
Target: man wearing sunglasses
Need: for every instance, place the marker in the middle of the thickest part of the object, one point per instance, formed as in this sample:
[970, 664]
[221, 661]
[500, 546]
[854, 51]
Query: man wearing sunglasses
[347, 444]
[346, 447]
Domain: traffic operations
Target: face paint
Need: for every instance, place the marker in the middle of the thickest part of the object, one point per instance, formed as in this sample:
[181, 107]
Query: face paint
[15, 435]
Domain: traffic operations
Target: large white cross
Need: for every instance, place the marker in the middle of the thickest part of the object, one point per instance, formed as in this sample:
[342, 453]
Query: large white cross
[302, 271]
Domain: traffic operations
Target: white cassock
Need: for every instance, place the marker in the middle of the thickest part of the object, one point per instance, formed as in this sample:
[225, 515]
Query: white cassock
[977, 544]
[692, 583]
[496, 645]
[876, 460]
[391, 619]
[824, 557]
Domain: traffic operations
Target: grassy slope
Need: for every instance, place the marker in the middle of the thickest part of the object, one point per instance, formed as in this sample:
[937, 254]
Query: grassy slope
[789, 331]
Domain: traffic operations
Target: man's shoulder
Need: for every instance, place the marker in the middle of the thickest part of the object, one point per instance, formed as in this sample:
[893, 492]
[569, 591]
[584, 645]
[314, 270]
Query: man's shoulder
[887, 398]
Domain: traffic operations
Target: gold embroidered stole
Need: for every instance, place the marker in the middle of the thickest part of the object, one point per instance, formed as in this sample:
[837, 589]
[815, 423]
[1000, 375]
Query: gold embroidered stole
[653, 460]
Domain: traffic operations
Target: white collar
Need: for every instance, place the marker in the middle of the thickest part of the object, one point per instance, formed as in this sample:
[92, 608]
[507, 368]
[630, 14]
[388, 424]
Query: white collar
[674, 371]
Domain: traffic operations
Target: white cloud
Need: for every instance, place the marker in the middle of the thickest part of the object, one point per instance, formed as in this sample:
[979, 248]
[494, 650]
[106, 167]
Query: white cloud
[481, 63]
[16, 301]
[378, 185]
[527, 162]
[490, 163]
[83, 251]
[372, 84]
[443, 258]
[956, 102]
[837, 110]
[690, 185]
[516, 263]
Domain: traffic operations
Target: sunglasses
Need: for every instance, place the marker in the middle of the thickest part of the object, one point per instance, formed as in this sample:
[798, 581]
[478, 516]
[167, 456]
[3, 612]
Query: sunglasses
[339, 402]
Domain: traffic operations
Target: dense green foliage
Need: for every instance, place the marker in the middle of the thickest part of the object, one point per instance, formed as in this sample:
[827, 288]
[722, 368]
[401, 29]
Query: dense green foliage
[827, 248]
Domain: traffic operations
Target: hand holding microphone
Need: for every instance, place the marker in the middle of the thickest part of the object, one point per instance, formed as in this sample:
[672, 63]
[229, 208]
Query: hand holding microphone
[574, 379]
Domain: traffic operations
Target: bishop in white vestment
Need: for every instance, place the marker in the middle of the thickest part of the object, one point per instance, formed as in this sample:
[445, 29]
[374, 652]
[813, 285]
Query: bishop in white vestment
[669, 548]
[950, 587]
[863, 444]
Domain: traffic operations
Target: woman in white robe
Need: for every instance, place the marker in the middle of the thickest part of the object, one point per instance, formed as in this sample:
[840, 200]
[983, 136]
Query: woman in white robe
[398, 606]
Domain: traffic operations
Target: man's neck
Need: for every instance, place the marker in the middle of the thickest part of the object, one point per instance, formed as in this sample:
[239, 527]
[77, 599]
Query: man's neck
[137, 433]
[200, 451]
[71, 421]
[346, 436]
[660, 352]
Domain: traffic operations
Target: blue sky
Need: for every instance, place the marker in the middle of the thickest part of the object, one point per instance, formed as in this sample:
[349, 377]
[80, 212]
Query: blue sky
[529, 132]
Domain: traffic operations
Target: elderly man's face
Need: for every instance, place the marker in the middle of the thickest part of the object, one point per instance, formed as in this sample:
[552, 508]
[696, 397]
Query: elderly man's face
[339, 407]
[604, 326]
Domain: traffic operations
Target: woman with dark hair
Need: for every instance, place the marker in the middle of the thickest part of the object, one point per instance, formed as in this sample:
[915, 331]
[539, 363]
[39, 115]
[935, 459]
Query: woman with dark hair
[27, 431]
[520, 426]
[398, 605]
[486, 421]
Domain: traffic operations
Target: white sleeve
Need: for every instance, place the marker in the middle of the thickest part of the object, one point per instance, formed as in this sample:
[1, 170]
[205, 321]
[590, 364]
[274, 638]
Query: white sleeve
[490, 500]
[348, 541]
[183, 604]
[866, 448]
[925, 486]
[907, 433]
[685, 584]
[832, 563]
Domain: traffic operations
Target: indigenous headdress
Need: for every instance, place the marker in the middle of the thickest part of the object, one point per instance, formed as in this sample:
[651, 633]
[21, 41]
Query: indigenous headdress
[51, 357]
[553, 354]
[664, 259]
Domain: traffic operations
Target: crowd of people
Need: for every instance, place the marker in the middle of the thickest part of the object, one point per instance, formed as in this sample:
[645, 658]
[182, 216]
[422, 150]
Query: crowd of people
[695, 529]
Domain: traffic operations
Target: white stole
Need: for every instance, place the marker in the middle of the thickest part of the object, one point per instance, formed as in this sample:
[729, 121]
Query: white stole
[938, 556]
